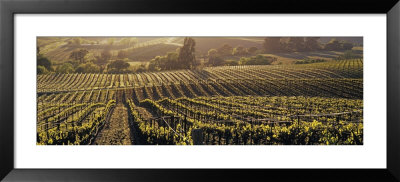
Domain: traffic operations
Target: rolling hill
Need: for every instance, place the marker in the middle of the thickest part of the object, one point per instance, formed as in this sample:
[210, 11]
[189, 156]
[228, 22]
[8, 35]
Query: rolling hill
[58, 49]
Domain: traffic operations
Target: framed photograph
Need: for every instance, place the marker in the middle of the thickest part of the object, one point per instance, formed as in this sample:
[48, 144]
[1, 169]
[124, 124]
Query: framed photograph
[149, 91]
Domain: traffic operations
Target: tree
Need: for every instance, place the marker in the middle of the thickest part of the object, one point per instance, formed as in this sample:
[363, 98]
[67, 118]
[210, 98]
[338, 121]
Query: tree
[311, 43]
[118, 65]
[272, 44]
[37, 51]
[154, 64]
[106, 54]
[186, 58]
[231, 63]
[141, 68]
[41, 70]
[167, 62]
[170, 61]
[128, 41]
[65, 68]
[212, 56]
[43, 64]
[296, 44]
[104, 57]
[122, 54]
[75, 41]
[347, 46]
[212, 53]
[333, 45]
[87, 68]
[110, 41]
[79, 55]
[225, 50]
[257, 60]
[252, 50]
[239, 51]
[214, 59]
[43, 61]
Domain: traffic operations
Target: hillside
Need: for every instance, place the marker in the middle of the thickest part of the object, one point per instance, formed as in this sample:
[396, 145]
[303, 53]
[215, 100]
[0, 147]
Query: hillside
[288, 58]
[354, 40]
[58, 49]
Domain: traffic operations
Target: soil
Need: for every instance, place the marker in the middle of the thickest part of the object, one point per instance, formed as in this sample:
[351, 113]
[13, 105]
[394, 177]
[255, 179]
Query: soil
[116, 131]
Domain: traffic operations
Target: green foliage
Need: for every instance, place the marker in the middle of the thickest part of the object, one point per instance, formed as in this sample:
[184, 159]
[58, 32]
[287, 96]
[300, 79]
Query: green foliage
[43, 61]
[212, 53]
[257, 60]
[170, 61]
[117, 66]
[347, 46]
[257, 105]
[214, 58]
[141, 68]
[252, 50]
[167, 62]
[272, 44]
[79, 55]
[298, 132]
[309, 61]
[291, 44]
[335, 45]
[349, 54]
[41, 70]
[87, 68]
[122, 54]
[76, 132]
[129, 41]
[296, 44]
[106, 55]
[110, 41]
[186, 58]
[225, 50]
[240, 51]
[231, 63]
[154, 64]
[65, 68]
[75, 41]
[311, 44]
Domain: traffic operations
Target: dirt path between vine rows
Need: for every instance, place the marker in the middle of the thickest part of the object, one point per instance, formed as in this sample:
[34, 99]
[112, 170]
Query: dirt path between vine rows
[116, 131]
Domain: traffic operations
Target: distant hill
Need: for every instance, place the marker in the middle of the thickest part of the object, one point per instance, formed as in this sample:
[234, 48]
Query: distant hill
[204, 44]
[354, 40]
[58, 49]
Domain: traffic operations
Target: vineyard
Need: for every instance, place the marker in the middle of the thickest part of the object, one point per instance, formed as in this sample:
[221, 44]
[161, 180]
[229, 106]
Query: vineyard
[305, 104]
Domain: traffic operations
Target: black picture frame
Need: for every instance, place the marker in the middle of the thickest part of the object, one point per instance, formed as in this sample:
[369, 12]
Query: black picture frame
[9, 8]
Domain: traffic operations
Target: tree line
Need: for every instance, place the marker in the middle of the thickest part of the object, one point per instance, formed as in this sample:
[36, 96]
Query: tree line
[80, 63]
[303, 44]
